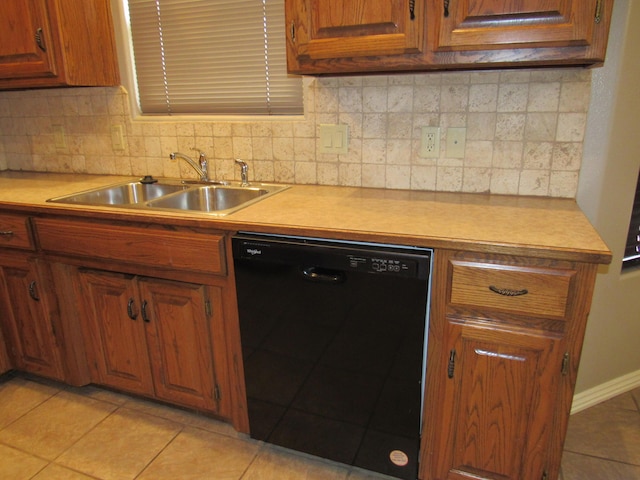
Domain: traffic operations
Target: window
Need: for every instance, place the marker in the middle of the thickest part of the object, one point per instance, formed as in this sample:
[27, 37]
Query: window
[212, 57]
[632, 248]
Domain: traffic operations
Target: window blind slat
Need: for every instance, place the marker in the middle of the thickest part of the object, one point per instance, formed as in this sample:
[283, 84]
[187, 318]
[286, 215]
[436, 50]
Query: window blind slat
[207, 56]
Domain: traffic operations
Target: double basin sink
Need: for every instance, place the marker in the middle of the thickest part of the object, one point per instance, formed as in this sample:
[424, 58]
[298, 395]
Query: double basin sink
[214, 198]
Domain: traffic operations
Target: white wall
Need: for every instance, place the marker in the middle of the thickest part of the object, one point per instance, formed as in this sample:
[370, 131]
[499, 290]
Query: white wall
[611, 354]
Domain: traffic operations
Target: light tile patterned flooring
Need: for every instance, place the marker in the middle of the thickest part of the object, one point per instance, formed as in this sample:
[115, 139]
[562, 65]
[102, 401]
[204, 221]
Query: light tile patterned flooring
[52, 432]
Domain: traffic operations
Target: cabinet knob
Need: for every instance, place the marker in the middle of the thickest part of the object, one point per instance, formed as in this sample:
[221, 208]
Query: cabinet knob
[446, 8]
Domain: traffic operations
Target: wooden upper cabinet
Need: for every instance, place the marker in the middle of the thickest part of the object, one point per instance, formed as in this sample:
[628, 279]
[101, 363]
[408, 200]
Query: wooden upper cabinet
[358, 36]
[51, 43]
[486, 24]
[329, 29]
[25, 33]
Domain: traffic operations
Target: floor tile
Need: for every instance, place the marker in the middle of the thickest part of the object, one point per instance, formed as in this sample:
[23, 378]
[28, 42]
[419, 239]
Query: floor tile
[200, 455]
[19, 396]
[56, 472]
[275, 463]
[56, 424]
[17, 465]
[121, 446]
[624, 401]
[583, 467]
[603, 432]
[185, 417]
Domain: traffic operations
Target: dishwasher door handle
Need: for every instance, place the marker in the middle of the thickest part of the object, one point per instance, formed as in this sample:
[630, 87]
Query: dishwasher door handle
[323, 275]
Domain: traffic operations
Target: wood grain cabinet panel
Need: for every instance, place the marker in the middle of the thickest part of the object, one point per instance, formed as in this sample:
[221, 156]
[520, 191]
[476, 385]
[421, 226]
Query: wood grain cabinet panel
[15, 231]
[169, 248]
[28, 311]
[340, 36]
[502, 364]
[50, 43]
[486, 24]
[118, 348]
[349, 28]
[179, 339]
[152, 336]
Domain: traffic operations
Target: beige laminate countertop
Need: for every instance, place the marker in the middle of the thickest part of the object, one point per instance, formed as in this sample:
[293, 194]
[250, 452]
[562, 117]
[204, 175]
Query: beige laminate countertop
[541, 227]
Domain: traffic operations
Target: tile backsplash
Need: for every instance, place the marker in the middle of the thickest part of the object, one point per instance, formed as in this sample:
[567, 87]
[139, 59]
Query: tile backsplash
[524, 133]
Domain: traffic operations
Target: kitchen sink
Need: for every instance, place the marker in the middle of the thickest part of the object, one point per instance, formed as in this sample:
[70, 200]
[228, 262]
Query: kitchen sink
[119, 195]
[218, 199]
[214, 198]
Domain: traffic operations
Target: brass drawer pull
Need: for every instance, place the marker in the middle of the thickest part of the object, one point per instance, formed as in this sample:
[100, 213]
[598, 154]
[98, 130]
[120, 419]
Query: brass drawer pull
[507, 292]
[7, 233]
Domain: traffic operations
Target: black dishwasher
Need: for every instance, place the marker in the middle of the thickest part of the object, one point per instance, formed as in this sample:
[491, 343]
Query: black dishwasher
[333, 337]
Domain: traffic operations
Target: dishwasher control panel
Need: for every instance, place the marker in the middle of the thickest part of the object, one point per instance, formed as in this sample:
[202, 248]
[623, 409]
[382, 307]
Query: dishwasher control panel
[312, 253]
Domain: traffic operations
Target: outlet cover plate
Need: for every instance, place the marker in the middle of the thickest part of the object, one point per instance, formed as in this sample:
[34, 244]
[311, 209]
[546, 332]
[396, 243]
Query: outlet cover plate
[456, 142]
[430, 142]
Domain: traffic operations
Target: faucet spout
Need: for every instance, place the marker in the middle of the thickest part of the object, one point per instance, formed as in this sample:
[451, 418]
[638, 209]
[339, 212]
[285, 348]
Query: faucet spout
[202, 169]
[244, 168]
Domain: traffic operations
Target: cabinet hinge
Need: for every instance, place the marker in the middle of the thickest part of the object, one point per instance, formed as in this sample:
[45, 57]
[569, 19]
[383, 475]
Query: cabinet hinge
[207, 308]
[452, 363]
[565, 364]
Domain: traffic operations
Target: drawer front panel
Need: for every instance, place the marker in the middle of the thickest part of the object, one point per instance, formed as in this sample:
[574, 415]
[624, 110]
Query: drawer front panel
[15, 232]
[515, 289]
[198, 252]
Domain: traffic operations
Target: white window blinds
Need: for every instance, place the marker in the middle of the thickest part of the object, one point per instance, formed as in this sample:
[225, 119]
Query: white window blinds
[212, 57]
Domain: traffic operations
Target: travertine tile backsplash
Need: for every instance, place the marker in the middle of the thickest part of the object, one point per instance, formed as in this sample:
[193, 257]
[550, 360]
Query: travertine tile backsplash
[525, 131]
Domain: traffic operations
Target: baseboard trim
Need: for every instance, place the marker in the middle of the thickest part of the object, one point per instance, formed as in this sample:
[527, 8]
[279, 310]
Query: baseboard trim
[606, 391]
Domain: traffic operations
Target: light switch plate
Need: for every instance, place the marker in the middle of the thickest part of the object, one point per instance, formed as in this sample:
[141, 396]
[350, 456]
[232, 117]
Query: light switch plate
[334, 139]
[59, 137]
[117, 138]
[456, 142]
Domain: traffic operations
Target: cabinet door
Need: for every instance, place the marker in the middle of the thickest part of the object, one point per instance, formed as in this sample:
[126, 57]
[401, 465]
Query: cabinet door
[116, 335]
[486, 24]
[178, 335]
[501, 397]
[27, 310]
[322, 29]
[26, 49]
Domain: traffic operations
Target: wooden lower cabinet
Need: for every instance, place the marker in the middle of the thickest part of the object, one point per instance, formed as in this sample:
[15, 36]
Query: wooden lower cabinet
[28, 311]
[152, 336]
[504, 345]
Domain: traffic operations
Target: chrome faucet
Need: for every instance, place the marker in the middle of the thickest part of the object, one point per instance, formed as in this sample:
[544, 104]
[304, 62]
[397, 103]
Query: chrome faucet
[202, 169]
[244, 168]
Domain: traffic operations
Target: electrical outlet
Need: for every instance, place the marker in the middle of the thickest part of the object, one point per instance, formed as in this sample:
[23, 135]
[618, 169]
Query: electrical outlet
[430, 142]
[456, 142]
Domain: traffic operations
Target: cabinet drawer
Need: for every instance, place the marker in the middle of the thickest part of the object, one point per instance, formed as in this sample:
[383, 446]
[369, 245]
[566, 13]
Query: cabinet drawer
[515, 289]
[155, 247]
[15, 231]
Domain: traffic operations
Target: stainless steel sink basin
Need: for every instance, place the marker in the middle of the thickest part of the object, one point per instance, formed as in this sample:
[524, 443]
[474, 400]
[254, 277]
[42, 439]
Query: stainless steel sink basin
[119, 195]
[214, 198]
[209, 199]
